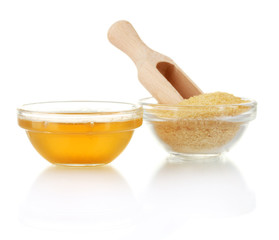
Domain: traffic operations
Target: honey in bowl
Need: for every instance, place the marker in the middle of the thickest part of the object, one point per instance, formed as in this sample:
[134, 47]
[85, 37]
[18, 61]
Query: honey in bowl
[80, 133]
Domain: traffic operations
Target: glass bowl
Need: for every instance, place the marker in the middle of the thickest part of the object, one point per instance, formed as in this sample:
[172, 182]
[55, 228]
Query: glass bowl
[80, 133]
[198, 132]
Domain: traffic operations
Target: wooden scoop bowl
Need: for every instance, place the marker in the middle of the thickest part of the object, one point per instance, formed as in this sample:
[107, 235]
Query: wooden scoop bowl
[159, 74]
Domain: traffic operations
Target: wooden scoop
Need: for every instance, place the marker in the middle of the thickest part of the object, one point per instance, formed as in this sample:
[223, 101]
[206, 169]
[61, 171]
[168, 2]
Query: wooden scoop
[158, 73]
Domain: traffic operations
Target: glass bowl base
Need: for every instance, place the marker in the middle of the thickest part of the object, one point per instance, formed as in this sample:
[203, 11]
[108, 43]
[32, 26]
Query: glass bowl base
[80, 165]
[182, 157]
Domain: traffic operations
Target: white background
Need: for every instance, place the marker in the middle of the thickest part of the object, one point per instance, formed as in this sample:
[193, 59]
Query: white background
[58, 50]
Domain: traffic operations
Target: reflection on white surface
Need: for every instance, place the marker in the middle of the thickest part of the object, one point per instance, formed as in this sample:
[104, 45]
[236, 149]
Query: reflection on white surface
[99, 199]
[67, 198]
[207, 189]
[181, 191]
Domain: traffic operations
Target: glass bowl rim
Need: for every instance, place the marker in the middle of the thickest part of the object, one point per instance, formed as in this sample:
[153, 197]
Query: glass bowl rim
[144, 103]
[131, 111]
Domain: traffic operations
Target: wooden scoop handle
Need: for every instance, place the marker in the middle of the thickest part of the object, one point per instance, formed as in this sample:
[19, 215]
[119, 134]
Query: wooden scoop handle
[123, 36]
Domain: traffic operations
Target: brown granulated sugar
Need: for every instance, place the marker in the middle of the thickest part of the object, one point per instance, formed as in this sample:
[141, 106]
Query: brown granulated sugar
[201, 124]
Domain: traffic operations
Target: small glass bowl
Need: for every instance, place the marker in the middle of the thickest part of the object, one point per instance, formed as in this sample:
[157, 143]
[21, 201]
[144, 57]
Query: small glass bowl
[198, 132]
[80, 133]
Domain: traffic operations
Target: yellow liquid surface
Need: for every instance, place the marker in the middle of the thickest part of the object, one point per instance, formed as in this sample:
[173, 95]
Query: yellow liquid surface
[80, 143]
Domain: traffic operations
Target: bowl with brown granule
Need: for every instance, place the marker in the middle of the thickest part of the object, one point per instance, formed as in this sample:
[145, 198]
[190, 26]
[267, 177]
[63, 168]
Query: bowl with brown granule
[202, 126]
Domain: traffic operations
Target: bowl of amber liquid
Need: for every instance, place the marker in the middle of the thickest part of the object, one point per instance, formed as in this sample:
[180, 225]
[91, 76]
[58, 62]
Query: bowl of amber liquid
[80, 133]
[197, 131]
